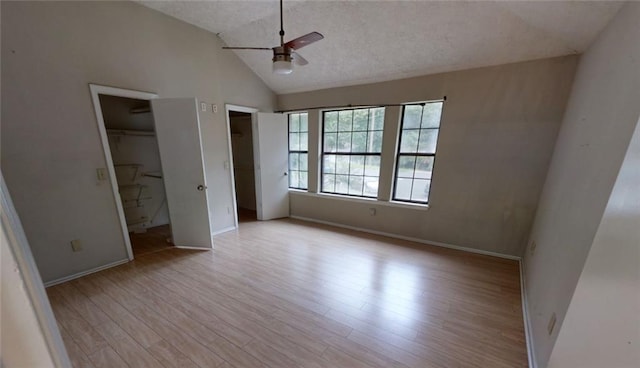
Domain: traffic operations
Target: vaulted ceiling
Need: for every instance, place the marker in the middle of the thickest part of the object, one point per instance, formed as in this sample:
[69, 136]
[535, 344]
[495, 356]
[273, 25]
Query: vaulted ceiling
[371, 41]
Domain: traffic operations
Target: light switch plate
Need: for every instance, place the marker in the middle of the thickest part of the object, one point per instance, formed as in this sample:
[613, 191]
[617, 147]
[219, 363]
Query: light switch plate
[76, 245]
[214, 108]
[203, 106]
[552, 323]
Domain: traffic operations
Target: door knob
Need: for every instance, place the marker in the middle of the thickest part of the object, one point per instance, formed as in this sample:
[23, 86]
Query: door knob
[285, 174]
[201, 187]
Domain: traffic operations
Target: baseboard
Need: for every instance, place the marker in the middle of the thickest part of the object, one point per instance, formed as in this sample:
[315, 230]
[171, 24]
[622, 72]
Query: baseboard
[84, 273]
[525, 317]
[223, 230]
[409, 238]
[193, 248]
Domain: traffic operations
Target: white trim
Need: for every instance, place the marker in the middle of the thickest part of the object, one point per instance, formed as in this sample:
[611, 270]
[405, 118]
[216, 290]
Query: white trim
[232, 176]
[84, 273]
[409, 238]
[230, 228]
[97, 90]
[26, 266]
[193, 248]
[362, 200]
[527, 321]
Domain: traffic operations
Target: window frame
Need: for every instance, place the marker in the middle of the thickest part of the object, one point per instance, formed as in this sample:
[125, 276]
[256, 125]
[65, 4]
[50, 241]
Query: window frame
[415, 154]
[323, 153]
[289, 151]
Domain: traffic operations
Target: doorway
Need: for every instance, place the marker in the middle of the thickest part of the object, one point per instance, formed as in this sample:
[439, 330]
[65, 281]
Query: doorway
[133, 147]
[242, 155]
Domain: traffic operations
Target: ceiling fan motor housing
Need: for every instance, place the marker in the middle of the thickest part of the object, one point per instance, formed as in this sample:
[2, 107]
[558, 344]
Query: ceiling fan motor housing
[281, 53]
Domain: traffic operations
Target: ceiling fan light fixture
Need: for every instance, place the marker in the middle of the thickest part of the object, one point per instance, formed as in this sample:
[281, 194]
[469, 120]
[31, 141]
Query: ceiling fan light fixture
[282, 67]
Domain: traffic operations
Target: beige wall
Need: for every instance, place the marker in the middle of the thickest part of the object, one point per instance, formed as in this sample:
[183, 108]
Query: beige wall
[601, 116]
[497, 135]
[602, 325]
[50, 142]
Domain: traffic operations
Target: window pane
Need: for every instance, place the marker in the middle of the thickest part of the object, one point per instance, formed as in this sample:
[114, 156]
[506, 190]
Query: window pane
[303, 162]
[344, 142]
[377, 119]
[342, 184]
[293, 179]
[294, 141]
[304, 124]
[359, 143]
[304, 141]
[328, 183]
[409, 141]
[405, 166]
[329, 164]
[374, 143]
[370, 186]
[403, 189]
[303, 180]
[428, 140]
[344, 120]
[372, 166]
[431, 115]
[293, 161]
[357, 165]
[294, 122]
[355, 185]
[360, 119]
[412, 116]
[330, 142]
[424, 166]
[331, 121]
[420, 190]
[342, 164]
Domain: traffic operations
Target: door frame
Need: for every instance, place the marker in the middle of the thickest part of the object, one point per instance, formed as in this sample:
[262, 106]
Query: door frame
[232, 176]
[97, 90]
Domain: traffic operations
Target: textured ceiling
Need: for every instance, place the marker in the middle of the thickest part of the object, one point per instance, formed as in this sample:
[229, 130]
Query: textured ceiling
[371, 41]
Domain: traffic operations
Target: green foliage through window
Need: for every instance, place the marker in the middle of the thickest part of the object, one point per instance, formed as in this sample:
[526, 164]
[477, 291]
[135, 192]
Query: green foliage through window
[417, 152]
[351, 148]
[298, 150]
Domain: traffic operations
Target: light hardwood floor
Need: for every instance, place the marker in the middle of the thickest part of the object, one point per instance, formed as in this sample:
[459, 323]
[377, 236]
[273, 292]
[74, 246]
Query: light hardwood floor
[286, 294]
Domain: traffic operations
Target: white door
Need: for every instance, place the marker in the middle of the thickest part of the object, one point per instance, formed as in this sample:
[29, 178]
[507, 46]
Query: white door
[179, 140]
[272, 166]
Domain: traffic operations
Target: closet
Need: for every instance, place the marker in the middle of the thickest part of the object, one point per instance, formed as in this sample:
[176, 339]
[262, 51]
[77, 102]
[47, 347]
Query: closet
[134, 151]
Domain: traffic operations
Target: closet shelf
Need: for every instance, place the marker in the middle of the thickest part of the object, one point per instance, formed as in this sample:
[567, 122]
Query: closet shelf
[124, 132]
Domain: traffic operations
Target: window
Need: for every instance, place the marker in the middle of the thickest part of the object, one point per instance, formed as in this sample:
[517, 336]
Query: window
[417, 152]
[351, 147]
[298, 150]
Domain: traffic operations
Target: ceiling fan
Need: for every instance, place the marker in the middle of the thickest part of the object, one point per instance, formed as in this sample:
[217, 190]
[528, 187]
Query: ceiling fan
[284, 55]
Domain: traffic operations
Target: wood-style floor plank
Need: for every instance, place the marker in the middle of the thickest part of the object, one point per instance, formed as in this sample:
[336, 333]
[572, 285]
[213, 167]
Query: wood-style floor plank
[287, 293]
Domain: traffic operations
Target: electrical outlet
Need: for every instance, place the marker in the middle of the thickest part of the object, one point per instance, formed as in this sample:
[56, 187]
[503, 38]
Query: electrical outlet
[76, 245]
[372, 211]
[552, 323]
[214, 108]
[228, 210]
[533, 246]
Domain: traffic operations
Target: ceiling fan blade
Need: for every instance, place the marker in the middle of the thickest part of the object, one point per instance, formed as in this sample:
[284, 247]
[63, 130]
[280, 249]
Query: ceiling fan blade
[298, 60]
[247, 48]
[303, 41]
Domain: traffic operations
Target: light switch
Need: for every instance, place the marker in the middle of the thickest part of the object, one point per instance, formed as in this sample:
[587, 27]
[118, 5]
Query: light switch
[203, 106]
[76, 245]
[101, 173]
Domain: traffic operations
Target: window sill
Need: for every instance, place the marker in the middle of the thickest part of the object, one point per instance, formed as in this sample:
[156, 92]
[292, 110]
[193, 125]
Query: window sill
[371, 201]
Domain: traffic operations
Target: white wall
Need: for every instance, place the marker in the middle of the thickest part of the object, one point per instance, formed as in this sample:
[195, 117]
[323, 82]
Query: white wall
[498, 129]
[50, 141]
[243, 166]
[602, 325]
[601, 116]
